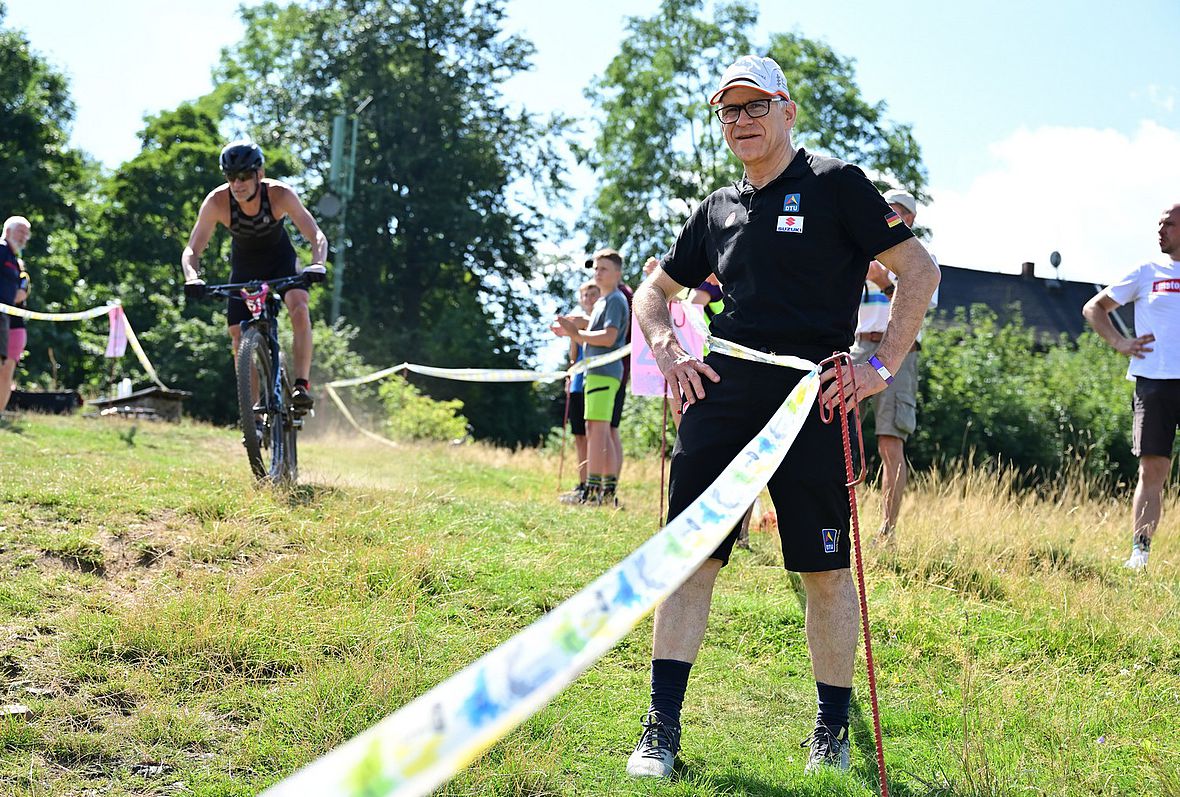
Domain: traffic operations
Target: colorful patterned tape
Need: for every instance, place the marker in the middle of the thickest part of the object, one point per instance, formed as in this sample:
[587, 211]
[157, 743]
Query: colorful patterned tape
[427, 741]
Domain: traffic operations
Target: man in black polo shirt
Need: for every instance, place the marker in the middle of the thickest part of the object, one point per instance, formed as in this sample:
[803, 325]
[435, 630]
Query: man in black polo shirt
[791, 244]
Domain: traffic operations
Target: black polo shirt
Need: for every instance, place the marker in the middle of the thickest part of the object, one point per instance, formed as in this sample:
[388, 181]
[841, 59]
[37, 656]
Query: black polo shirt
[791, 256]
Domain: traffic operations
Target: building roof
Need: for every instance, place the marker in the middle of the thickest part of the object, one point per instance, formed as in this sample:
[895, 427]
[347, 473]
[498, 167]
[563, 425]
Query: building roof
[1049, 306]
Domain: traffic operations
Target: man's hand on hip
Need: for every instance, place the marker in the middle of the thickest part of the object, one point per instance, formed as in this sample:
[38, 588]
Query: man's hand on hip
[865, 382]
[1136, 347]
[684, 372]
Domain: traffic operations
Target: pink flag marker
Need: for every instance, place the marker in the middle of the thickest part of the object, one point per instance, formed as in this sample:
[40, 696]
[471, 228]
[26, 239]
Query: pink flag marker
[646, 379]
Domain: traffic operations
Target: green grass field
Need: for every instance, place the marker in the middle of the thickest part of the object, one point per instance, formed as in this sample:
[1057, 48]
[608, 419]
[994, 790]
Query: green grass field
[174, 630]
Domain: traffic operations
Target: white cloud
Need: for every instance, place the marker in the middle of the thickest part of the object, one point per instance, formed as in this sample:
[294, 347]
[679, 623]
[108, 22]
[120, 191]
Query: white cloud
[1162, 98]
[1094, 195]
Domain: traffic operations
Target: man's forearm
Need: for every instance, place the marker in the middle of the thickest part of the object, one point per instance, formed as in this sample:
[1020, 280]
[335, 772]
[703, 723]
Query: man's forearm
[651, 312]
[1100, 322]
[907, 310]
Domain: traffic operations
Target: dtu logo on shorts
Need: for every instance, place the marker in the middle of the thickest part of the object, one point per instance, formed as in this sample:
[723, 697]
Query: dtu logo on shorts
[831, 539]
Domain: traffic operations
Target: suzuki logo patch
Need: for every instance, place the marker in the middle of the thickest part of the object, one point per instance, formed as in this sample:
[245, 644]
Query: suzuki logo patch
[791, 203]
[831, 539]
[790, 224]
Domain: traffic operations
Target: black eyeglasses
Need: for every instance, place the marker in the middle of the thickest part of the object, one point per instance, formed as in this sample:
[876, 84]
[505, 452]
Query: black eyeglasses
[240, 176]
[728, 114]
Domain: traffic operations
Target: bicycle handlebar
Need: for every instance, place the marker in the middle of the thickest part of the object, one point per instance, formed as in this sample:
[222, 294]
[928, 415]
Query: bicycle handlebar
[232, 290]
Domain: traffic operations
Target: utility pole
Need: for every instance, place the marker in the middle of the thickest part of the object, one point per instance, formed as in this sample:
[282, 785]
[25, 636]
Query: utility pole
[335, 203]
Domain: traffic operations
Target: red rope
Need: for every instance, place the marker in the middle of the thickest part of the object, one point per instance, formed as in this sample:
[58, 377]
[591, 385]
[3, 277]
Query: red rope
[841, 361]
[663, 455]
[564, 423]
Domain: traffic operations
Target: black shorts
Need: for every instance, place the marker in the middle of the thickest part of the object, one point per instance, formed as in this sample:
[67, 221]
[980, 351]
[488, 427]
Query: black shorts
[617, 413]
[1156, 405]
[808, 489]
[250, 266]
[578, 413]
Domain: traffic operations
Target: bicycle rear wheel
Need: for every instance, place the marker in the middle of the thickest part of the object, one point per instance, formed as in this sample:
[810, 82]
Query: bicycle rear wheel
[261, 414]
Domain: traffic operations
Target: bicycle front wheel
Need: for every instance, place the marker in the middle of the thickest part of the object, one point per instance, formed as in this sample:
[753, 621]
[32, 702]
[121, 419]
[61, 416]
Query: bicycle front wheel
[290, 428]
[260, 420]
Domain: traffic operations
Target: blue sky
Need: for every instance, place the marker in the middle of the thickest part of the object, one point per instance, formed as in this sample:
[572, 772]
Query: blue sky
[1050, 125]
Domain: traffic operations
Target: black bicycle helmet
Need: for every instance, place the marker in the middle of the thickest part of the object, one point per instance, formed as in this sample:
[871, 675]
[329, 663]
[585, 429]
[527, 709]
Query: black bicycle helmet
[241, 156]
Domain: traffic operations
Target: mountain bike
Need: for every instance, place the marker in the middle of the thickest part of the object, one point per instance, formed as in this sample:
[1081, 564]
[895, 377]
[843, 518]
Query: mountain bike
[269, 421]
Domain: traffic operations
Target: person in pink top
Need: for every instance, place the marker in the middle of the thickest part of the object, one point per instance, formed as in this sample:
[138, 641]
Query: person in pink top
[1155, 370]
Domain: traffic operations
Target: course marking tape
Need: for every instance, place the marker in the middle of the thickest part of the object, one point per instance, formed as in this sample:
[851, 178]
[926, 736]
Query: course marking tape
[348, 417]
[722, 346]
[35, 315]
[83, 315]
[424, 743]
[487, 374]
[140, 354]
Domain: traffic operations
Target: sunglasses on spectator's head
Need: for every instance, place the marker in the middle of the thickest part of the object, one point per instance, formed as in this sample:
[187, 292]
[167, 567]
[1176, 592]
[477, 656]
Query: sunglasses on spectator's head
[240, 176]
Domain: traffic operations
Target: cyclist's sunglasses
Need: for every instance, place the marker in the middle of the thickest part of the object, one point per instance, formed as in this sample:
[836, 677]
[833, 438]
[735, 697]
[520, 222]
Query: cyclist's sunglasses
[240, 176]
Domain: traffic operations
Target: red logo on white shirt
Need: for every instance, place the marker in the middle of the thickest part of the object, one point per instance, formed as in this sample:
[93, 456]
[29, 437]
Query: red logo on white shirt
[1166, 286]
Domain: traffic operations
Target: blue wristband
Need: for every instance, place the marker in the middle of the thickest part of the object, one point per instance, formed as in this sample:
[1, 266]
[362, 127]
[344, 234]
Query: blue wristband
[881, 369]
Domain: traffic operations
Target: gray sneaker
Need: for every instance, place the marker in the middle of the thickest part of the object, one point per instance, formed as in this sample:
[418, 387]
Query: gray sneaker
[827, 749]
[574, 496]
[655, 755]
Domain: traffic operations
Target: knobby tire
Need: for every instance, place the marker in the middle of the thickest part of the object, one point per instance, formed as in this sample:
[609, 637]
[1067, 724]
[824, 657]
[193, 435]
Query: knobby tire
[255, 369]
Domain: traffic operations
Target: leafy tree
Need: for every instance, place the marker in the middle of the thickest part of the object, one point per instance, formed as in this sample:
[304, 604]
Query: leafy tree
[992, 394]
[442, 232]
[43, 178]
[49, 183]
[659, 149]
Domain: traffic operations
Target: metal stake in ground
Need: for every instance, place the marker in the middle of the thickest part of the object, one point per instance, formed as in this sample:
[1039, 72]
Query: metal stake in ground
[841, 361]
[565, 419]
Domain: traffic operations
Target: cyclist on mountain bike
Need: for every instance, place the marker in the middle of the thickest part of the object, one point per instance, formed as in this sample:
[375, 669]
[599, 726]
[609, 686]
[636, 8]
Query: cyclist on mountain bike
[253, 207]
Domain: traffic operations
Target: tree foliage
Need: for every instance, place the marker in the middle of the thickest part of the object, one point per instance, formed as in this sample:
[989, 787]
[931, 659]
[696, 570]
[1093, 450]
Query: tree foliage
[659, 149]
[442, 234]
[996, 395]
[49, 183]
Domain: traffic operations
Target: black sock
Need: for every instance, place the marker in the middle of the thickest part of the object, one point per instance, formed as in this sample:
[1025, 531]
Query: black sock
[303, 382]
[833, 706]
[669, 682]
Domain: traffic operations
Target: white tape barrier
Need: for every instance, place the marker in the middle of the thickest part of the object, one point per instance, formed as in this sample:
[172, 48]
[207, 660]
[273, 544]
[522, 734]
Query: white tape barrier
[487, 374]
[140, 354]
[348, 417]
[34, 315]
[83, 315]
[427, 741]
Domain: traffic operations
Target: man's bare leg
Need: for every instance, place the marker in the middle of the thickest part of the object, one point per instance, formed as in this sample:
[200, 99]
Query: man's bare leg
[296, 301]
[832, 613]
[1145, 508]
[893, 481]
[680, 626]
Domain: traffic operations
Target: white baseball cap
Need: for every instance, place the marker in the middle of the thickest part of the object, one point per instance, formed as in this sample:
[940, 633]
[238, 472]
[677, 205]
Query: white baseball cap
[903, 198]
[760, 74]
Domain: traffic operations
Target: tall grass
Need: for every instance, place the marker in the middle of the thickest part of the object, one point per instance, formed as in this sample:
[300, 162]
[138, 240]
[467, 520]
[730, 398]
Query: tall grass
[175, 630]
